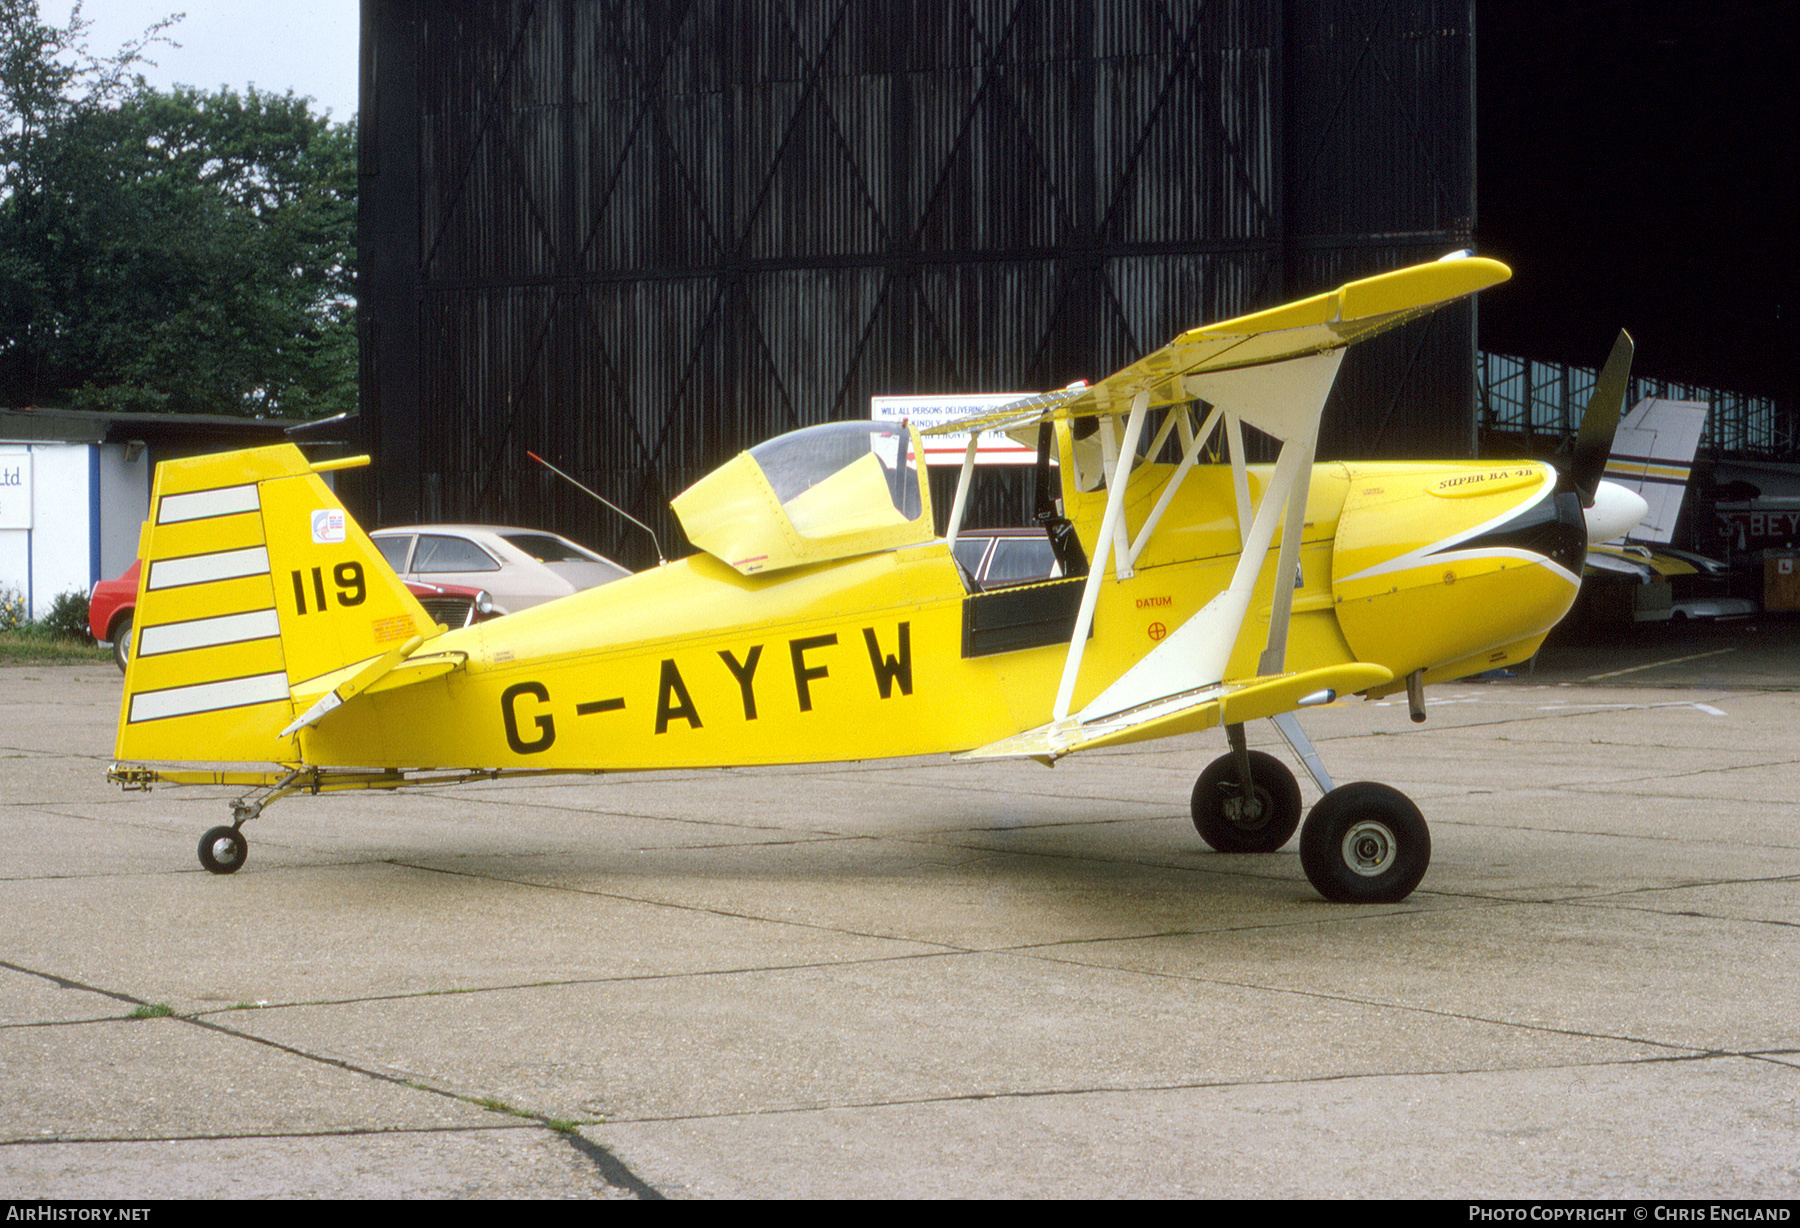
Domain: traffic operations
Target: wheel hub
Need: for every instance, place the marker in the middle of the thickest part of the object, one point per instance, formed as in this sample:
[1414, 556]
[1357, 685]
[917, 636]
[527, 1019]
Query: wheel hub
[1249, 812]
[1369, 848]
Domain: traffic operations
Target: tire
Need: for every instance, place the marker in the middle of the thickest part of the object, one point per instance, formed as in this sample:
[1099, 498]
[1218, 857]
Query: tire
[1365, 843]
[120, 634]
[1229, 826]
[223, 850]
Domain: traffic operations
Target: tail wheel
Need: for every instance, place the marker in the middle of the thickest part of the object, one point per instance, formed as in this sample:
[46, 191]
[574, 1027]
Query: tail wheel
[223, 850]
[1259, 822]
[1365, 843]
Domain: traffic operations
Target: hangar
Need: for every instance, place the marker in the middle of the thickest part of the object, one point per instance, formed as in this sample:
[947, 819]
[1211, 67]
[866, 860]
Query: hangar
[636, 238]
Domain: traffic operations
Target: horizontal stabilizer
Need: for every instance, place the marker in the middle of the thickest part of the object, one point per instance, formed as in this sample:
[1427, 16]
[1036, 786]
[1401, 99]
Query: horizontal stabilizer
[361, 677]
[404, 672]
[1231, 703]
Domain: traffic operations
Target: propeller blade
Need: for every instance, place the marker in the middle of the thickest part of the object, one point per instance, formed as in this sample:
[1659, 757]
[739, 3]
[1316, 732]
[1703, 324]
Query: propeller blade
[1594, 440]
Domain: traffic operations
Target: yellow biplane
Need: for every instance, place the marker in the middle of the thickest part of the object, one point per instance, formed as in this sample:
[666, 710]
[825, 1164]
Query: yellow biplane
[824, 619]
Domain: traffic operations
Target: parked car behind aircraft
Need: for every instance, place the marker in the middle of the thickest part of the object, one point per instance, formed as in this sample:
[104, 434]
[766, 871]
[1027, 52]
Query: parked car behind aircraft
[112, 608]
[520, 567]
[454, 605]
[1666, 582]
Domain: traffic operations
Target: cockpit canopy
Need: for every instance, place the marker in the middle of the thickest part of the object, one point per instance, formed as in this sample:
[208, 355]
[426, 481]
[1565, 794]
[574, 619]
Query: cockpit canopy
[812, 495]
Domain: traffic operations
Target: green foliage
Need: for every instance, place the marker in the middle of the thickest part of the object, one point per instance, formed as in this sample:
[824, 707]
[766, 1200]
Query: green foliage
[60, 637]
[68, 618]
[47, 72]
[188, 252]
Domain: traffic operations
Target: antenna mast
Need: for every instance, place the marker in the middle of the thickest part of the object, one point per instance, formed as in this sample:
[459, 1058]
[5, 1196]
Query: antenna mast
[660, 560]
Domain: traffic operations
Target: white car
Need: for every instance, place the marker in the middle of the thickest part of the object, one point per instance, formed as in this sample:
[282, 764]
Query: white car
[519, 568]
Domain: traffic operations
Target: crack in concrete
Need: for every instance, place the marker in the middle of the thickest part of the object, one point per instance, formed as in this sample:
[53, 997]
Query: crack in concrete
[612, 1170]
[1195, 1085]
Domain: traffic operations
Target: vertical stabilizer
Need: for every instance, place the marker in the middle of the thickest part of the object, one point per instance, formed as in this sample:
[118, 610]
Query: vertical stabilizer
[254, 580]
[1653, 454]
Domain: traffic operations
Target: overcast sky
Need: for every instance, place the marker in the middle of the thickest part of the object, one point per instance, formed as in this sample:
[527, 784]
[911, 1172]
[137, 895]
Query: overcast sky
[307, 47]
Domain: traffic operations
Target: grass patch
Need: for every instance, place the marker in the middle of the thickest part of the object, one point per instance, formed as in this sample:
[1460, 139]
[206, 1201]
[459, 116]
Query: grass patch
[558, 1124]
[500, 1106]
[153, 1010]
[32, 647]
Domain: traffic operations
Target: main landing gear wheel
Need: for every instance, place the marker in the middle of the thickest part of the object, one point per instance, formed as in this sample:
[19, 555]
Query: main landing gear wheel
[1233, 823]
[1365, 843]
[223, 850]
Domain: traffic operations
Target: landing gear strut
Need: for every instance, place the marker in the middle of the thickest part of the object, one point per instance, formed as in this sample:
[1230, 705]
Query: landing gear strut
[1247, 801]
[1363, 843]
[223, 850]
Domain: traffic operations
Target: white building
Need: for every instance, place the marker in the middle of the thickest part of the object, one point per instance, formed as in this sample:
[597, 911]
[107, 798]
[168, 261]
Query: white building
[75, 486]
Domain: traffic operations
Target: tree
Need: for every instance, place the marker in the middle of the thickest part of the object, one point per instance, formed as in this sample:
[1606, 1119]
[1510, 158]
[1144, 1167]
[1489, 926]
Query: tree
[185, 252]
[47, 72]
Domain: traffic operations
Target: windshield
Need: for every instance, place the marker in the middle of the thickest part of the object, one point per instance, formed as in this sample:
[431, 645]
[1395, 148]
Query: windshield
[825, 492]
[437, 554]
[842, 477]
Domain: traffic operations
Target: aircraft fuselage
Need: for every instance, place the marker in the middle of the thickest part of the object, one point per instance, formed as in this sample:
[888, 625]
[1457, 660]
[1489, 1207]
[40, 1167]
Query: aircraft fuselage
[1450, 569]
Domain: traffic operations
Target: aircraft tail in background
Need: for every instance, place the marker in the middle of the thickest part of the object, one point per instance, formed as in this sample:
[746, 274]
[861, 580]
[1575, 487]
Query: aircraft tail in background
[1653, 454]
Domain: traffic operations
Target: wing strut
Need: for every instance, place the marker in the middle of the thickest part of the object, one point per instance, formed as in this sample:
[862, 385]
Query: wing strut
[1281, 598]
[1194, 444]
[1240, 481]
[1197, 652]
[961, 502]
[1103, 544]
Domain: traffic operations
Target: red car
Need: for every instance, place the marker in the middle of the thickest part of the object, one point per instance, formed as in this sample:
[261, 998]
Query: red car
[111, 604]
[109, 611]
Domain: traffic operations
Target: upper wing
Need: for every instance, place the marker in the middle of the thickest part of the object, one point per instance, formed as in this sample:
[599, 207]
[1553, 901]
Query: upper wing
[1353, 312]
